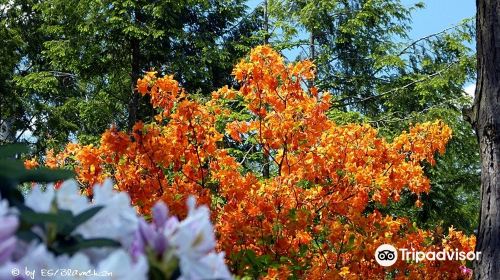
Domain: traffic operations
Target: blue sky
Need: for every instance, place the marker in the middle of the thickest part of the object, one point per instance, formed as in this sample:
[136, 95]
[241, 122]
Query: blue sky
[439, 14]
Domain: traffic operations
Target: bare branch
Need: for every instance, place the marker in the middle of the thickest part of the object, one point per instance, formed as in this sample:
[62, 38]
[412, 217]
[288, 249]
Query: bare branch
[429, 36]
[428, 77]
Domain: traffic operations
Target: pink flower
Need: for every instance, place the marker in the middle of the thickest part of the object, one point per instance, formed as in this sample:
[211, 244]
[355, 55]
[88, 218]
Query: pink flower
[465, 270]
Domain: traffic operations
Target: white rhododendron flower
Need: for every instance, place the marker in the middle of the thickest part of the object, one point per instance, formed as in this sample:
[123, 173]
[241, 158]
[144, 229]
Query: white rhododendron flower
[194, 241]
[4, 207]
[37, 258]
[8, 227]
[120, 264]
[166, 244]
[77, 263]
[211, 266]
[190, 241]
[68, 197]
[195, 235]
[118, 220]
[40, 201]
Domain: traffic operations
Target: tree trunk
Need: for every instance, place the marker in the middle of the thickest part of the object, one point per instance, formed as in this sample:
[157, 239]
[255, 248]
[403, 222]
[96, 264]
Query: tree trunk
[266, 22]
[136, 68]
[312, 57]
[485, 118]
[133, 105]
[7, 133]
[312, 49]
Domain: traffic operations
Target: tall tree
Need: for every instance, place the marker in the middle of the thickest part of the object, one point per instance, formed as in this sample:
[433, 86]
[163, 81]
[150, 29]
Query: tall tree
[79, 60]
[485, 117]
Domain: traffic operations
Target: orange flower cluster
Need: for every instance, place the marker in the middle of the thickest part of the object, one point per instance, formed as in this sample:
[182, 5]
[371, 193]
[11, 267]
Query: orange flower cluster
[155, 161]
[317, 217]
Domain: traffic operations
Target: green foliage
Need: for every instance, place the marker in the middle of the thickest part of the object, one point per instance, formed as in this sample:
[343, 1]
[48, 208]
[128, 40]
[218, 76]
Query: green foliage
[76, 62]
[13, 173]
[248, 258]
[58, 225]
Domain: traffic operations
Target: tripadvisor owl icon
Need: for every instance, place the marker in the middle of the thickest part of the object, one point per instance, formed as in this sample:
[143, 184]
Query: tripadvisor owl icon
[386, 255]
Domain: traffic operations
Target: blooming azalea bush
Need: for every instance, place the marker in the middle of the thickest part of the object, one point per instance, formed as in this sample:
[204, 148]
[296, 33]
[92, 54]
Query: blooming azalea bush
[60, 234]
[321, 213]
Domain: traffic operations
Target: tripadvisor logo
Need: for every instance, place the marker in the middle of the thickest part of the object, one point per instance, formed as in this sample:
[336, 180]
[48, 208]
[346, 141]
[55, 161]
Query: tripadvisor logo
[387, 255]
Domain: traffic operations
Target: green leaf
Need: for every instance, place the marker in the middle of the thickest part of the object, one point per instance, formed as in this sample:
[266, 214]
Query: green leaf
[12, 194]
[45, 175]
[87, 214]
[80, 219]
[13, 150]
[27, 235]
[156, 274]
[81, 244]
[12, 169]
[61, 219]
